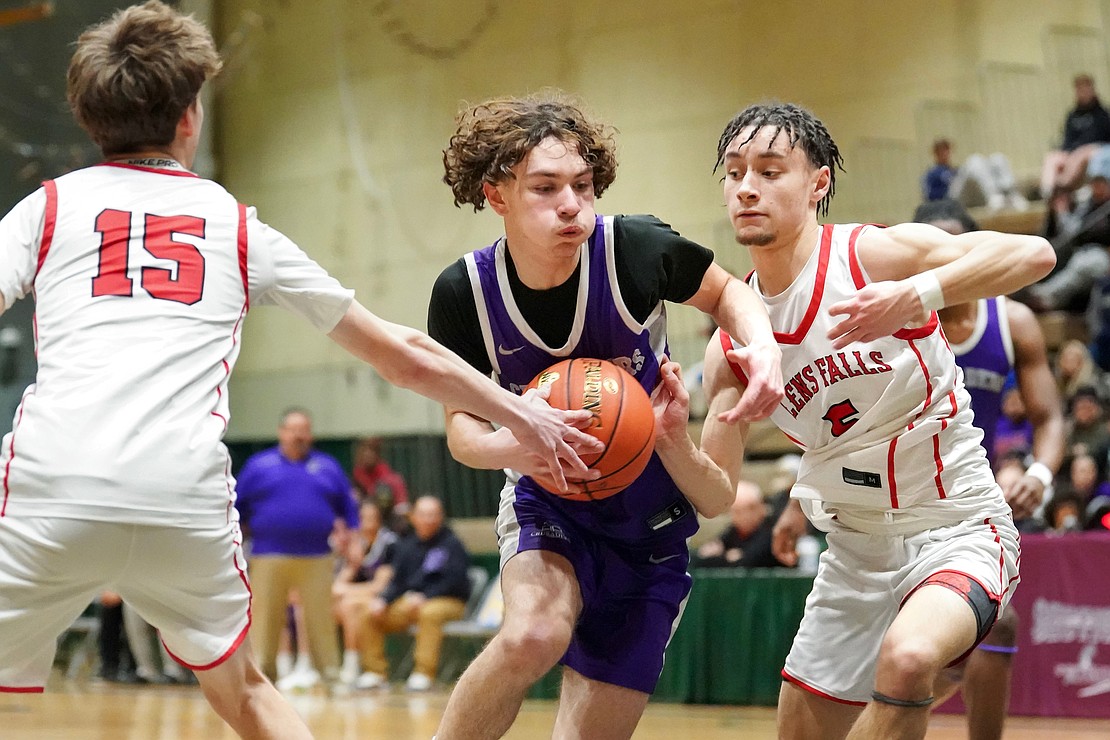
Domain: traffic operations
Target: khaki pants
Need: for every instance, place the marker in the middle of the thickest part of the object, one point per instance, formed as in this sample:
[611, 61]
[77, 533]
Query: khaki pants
[272, 578]
[429, 622]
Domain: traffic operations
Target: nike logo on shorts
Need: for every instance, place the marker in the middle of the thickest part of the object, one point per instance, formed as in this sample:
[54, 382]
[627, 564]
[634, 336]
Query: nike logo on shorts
[656, 561]
[502, 351]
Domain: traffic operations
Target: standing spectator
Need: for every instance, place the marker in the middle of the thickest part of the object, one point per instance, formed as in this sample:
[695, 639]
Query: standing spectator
[1086, 128]
[746, 542]
[376, 480]
[291, 498]
[1086, 428]
[362, 576]
[429, 588]
[111, 643]
[992, 175]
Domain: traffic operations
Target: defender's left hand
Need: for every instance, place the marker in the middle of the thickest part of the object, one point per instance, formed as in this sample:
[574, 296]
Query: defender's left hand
[877, 310]
[762, 364]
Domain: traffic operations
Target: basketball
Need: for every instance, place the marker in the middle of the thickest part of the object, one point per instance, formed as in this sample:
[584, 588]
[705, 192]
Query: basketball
[623, 420]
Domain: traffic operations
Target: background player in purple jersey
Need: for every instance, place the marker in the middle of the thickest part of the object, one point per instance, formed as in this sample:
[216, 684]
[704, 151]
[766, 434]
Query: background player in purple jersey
[596, 584]
[987, 350]
[133, 84]
[922, 551]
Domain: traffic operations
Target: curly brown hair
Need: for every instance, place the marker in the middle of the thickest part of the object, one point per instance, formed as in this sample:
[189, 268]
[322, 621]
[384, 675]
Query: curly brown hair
[493, 137]
[132, 76]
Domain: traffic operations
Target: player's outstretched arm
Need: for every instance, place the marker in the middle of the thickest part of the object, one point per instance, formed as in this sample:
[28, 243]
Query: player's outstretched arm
[1042, 407]
[697, 475]
[722, 441]
[475, 442]
[739, 311]
[917, 268]
[411, 359]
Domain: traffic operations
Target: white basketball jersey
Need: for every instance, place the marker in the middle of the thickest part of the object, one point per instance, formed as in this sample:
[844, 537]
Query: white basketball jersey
[885, 426]
[142, 277]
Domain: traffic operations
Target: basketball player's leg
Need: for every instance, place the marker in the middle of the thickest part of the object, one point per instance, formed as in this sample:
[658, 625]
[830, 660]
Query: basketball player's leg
[803, 715]
[241, 694]
[986, 687]
[935, 627]
[596, 710]
[542, 603]
[200, 605]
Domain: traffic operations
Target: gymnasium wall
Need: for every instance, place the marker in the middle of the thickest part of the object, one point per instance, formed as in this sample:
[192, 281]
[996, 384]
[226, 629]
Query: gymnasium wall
[333, 114]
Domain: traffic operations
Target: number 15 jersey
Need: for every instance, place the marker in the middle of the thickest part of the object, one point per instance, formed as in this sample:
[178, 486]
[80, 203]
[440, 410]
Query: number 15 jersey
[142, 276]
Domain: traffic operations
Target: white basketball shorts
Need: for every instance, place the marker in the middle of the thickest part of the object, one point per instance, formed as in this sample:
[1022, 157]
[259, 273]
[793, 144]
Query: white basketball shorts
[190, 584]
[861, 584]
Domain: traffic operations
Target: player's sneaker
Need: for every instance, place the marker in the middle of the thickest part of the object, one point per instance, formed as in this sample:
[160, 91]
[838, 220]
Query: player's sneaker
[370, 680]
[418, 682]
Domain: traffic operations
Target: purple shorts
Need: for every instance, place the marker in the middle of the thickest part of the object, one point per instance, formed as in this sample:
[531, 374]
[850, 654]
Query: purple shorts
[632, 595]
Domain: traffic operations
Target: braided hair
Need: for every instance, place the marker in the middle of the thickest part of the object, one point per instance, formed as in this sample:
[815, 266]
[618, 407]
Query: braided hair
[801, 127]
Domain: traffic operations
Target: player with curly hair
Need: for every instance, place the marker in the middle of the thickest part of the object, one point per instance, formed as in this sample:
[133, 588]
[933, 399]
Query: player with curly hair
[597, 585]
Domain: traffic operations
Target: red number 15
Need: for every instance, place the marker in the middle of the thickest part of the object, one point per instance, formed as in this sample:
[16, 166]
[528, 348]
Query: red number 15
[111, 278]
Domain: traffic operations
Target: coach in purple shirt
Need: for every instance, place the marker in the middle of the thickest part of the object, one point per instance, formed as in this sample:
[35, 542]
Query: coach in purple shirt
[290, 500]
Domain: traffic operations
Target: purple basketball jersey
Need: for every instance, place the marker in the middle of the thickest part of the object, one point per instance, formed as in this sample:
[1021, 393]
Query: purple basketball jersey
[651, 508]
[986, 359]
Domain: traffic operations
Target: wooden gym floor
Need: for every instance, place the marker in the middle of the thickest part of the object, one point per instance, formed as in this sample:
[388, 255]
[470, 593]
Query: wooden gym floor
[82, 710]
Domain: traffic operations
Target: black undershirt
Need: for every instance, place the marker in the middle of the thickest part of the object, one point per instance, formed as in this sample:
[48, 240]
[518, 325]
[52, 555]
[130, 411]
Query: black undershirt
[653, 263]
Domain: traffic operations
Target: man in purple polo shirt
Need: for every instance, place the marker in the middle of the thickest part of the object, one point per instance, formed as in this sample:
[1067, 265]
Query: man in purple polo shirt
[291, 498]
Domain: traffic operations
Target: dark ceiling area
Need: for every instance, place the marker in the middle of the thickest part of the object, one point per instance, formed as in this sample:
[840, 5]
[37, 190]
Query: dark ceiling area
[38, 137]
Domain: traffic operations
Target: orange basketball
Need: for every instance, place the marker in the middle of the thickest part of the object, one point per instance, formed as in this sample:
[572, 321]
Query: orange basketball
[623, 420]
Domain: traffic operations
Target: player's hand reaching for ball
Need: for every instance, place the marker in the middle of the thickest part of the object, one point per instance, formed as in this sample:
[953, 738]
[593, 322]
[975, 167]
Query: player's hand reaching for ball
[553, 440]
[762, 364]
[671, 403]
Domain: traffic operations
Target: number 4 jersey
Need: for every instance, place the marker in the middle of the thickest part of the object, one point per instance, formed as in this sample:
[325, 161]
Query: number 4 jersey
[886, 426]
[142, 274]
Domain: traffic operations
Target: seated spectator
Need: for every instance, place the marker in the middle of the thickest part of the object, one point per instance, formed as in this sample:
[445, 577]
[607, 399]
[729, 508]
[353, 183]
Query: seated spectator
[746, 542]
[1074, 369]
[362, 576]
[1084, 479]
[374, 478]
[429, 587]
[1086, 128]
[991, 175]
[1081, 237]
[1064, 513]
[1087, 433]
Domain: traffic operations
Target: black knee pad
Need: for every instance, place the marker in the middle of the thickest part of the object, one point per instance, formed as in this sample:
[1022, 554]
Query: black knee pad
[984, 606]
[903, 703]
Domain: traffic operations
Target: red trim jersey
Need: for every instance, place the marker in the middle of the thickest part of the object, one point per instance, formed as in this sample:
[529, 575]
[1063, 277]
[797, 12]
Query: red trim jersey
[885, 426]
[142, 276]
